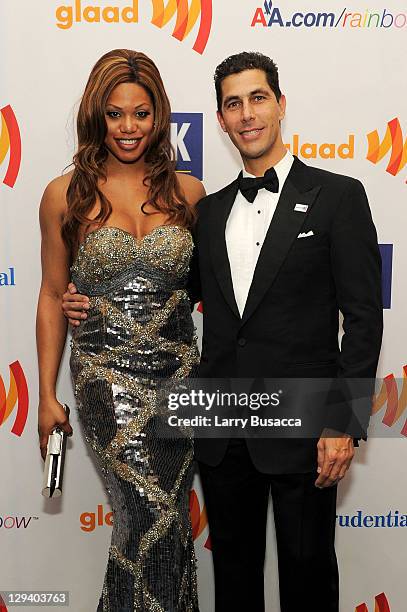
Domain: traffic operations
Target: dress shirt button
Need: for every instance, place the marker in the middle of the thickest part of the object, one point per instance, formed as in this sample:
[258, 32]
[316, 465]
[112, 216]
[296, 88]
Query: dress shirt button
[259, 211]
[241, 341]
[257, 243]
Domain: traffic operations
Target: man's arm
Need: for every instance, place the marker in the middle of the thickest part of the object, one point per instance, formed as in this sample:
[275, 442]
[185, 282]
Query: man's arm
[356, 269]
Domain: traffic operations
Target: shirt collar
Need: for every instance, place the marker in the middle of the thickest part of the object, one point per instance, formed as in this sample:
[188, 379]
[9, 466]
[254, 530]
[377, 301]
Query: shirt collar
[282, 169]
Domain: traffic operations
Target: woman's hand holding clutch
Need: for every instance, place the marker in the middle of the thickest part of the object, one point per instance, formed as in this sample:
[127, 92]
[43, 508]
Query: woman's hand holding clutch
[51, 414]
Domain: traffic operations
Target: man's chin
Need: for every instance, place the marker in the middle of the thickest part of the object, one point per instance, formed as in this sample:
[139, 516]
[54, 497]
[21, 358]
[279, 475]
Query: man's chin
[253, 154]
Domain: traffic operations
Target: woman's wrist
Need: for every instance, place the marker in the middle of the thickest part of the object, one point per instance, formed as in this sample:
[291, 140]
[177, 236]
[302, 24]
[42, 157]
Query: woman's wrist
[46, 396]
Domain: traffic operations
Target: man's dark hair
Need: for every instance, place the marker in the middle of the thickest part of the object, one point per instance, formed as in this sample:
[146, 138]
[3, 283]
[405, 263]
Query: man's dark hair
[247, 60]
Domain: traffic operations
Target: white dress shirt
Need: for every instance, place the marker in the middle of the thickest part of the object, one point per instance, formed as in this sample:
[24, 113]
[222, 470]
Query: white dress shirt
[246, 230]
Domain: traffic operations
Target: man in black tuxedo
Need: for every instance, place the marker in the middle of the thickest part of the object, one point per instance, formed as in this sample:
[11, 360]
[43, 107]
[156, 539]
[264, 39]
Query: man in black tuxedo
[279, 253]
[279, 257]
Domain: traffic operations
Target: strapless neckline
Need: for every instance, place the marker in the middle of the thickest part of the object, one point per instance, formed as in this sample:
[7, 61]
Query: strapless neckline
[120, 229]
[137, 241]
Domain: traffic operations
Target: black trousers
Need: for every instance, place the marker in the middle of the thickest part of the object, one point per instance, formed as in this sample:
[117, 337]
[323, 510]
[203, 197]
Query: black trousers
[236, 495]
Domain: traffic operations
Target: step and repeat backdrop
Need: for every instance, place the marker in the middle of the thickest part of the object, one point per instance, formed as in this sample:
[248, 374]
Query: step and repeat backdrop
[342, 69]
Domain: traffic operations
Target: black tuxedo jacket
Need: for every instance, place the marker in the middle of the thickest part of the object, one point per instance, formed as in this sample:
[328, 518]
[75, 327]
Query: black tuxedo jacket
[289, 327]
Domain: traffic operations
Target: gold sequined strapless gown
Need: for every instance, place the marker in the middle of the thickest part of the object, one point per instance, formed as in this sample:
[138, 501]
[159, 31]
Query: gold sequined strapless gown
[138, 331]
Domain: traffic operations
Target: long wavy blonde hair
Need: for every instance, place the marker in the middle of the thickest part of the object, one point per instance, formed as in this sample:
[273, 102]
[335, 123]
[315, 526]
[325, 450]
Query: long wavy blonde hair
[164, 193]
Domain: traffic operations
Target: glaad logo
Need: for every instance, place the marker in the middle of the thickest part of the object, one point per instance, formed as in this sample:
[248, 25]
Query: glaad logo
[68, 15]
[396, 404]
[187, 140]
[187, 16]
[381, 605]
[89, 520]
[325, 150]
[10, 142]
[186, 19]
[17, 391]
[393, 140]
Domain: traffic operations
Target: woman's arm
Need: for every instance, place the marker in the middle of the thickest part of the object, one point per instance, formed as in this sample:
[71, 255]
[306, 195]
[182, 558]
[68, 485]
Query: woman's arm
[51, 325]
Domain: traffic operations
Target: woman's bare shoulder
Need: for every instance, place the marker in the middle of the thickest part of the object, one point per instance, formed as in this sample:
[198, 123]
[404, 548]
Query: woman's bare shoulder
[54, 197]
[192, 188]
[59, 185]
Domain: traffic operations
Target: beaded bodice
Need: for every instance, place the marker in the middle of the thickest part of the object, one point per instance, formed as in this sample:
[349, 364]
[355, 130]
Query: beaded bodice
[109, 255]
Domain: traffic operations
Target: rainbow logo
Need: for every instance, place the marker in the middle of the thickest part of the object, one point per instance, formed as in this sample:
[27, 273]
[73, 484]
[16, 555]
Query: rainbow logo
[381, 605]
[395, 404]
[199, 520]
[393, 140]
[10, 141]
[17, 390]
[186, 19]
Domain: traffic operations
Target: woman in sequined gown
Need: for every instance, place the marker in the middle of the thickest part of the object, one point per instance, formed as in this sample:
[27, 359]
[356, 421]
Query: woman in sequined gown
[126, 243]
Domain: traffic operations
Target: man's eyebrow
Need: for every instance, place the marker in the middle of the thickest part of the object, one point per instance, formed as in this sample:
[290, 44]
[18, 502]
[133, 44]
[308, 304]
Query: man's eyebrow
[252, 93]
[260, 90]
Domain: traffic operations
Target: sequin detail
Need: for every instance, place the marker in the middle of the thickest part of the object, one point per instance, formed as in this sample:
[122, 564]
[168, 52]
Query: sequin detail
[138, 332]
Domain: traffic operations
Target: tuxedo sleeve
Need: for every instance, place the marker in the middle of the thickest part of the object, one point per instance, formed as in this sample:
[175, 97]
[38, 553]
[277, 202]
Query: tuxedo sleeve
[356, 269]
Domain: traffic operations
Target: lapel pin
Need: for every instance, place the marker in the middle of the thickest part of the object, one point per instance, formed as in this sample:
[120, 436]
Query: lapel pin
[301, 208]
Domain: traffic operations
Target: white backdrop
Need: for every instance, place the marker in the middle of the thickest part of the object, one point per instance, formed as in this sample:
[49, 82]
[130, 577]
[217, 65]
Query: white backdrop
[343, 80]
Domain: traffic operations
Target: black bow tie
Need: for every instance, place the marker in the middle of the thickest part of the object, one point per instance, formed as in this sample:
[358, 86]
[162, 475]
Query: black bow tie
[249, 187]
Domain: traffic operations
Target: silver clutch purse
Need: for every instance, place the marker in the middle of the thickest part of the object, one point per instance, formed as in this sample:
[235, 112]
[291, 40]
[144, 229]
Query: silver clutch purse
[54, 462]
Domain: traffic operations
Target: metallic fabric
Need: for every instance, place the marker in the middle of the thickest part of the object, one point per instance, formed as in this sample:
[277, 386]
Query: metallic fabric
[138, 332]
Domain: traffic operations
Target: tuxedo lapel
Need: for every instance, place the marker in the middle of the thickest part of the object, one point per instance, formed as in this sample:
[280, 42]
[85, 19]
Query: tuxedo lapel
[283, 230]
[220, 211]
